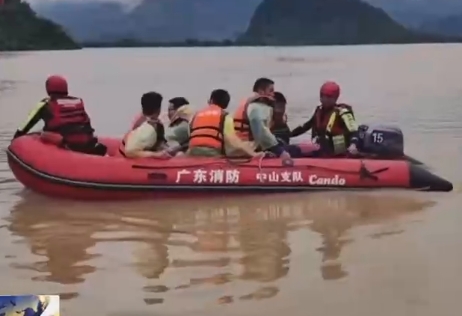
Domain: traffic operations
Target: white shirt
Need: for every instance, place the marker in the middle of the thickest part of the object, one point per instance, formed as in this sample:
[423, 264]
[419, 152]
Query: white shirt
[144, 137]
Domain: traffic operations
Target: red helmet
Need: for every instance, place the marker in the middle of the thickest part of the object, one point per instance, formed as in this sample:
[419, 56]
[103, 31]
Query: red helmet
[330, 89]
[56, 84]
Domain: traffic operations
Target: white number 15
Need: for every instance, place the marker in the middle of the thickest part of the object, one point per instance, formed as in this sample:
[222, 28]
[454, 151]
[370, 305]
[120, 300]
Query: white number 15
[377, 138]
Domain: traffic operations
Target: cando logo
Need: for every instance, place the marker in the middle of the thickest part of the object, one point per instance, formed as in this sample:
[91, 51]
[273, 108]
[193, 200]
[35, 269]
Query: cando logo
[336, 180]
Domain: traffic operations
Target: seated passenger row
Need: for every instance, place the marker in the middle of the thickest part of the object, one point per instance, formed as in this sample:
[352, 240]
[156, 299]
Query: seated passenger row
[259, 125]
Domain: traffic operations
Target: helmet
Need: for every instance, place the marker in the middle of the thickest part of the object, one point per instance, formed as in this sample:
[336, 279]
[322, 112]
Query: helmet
[56, 84]
[330, 89]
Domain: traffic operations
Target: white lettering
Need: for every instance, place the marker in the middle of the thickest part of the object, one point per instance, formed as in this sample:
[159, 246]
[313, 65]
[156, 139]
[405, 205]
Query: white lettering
[334, 181]
[280, 177]
[200, 176]
[286, 176]
[217, 176]
[208, 112]
[273, 177]
[68, 102]
[181, 173]
[261, 177]
[297, 176]
[377, 138]
[232, 176]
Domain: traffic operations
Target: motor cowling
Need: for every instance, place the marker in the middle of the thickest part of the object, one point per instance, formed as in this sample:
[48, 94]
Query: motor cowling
[382, 140]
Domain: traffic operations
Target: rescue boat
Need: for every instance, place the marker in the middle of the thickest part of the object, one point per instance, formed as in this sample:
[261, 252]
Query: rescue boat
[50, 170]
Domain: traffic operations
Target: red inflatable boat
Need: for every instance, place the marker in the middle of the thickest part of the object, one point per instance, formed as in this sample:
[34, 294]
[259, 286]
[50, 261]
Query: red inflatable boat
[54, 171]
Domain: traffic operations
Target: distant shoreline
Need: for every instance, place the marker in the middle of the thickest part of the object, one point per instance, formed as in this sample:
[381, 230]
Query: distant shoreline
[229, 43]
[134, 44]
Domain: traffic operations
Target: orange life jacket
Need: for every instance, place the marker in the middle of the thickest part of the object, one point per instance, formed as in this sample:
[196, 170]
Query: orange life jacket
[159, 127]
[69, 119]
[241, 119]
[207, 127]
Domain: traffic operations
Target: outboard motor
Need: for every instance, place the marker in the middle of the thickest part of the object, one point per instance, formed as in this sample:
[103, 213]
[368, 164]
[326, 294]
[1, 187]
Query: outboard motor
[384, 141]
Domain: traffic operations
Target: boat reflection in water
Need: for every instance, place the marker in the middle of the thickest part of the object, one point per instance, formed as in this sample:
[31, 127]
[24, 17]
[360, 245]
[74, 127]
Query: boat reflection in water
[196, 247]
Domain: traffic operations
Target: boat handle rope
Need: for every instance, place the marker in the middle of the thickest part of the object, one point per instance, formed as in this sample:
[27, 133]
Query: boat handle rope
[363, 172]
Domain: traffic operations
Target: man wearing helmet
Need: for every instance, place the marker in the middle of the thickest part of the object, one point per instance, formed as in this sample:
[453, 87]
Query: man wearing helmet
[333, 125]
[64, 115]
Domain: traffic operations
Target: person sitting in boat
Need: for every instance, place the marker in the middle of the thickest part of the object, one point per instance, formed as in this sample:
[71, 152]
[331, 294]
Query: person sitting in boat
[64, 115]
[147, 139]
[177, 133]
[137, 121]
[253, 118]
[212, 131]
[279, 126]
[333, 124]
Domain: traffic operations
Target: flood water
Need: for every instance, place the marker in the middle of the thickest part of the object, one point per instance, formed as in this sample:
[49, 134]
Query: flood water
[337, 253]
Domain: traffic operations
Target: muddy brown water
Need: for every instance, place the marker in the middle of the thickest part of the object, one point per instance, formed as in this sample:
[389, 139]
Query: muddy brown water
[334, 253]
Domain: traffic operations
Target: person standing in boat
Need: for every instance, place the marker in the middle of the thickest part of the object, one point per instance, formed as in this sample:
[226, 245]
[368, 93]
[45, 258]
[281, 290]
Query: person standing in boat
[252, 120]
[177, 133]
[333, 124]
[279, 126]
[147, 139]
[64, 115]
[212, 131]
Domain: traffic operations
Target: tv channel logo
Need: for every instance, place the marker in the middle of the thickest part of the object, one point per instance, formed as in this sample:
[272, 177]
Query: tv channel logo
[29, 305]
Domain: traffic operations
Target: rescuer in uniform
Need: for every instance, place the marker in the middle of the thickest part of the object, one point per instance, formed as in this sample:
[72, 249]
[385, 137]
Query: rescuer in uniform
[333, 124]
[64, 115]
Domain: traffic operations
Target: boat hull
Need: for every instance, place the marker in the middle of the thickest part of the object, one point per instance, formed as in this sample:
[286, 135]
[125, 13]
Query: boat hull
[56, 172]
